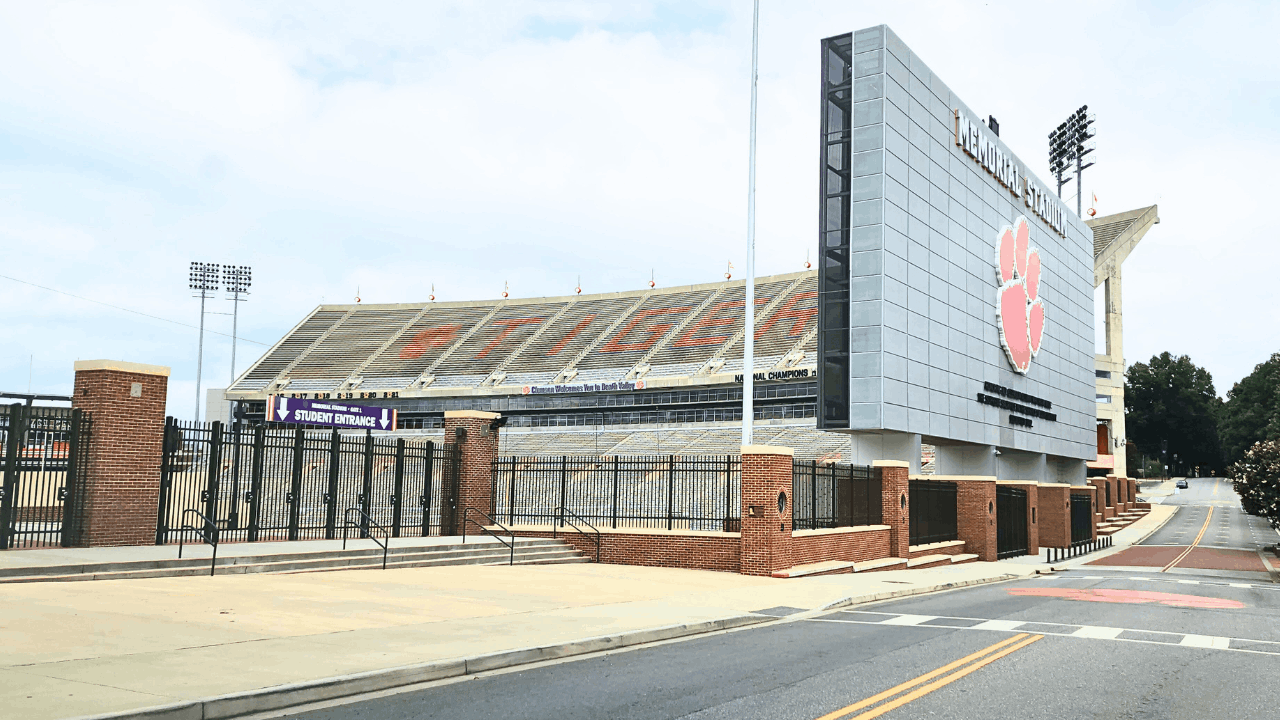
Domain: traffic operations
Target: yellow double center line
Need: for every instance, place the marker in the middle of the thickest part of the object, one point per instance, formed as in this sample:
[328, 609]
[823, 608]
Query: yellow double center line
[1193, 544]
[962, 667]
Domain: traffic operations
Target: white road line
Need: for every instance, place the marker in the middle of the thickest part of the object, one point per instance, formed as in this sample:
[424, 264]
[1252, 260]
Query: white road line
[999, 625]
[1206, 641]
[908, 619]
[1097, 633]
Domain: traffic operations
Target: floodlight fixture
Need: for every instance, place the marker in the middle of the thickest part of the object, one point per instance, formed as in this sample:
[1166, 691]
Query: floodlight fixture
[1068, 144]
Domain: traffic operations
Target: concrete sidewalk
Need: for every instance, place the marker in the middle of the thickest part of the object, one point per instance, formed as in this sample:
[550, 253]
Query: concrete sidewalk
[259, 642]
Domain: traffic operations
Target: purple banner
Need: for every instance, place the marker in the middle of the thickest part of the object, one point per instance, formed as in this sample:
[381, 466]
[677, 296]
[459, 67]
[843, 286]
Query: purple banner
[329, 414]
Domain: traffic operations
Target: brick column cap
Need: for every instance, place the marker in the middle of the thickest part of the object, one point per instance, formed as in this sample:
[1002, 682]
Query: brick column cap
[1084, 488]
[121, 366]
[767, 450]
[965, 478]
[890, 463]
[472, 414]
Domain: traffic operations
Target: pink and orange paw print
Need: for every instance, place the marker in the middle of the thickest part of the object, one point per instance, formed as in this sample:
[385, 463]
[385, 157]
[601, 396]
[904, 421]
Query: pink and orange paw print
[1018, 303]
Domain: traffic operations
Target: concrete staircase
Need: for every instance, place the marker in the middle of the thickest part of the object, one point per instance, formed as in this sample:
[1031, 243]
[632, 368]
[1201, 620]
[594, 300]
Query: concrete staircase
[1120, 522]
[528, 551]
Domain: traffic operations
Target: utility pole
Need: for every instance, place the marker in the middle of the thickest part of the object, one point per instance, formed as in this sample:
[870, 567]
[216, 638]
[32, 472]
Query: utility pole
[749, 343]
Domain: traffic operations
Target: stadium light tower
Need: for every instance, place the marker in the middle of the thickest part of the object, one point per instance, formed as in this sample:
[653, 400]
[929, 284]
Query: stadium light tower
[236, 280]
[204, 282]
[1072, 140]
[749, 342]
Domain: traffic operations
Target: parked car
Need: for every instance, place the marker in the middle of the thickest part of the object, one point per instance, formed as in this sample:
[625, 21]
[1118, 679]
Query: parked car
[1182, 485]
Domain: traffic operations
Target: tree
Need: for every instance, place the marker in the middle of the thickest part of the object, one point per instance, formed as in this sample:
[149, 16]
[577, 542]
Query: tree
[1257, 480]
[1252, 410]
[1170, 404]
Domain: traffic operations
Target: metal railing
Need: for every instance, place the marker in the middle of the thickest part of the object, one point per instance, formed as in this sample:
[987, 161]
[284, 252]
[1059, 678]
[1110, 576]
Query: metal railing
[43, 460]
[1084, 547]
[563, 511]
[208, 532]
[264, 483]
[834, 495]
[466, 518]
[364, 524]
[669, 492]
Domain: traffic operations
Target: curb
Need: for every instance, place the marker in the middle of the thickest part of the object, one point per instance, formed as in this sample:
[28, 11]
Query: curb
[906, 592]
[283, 696]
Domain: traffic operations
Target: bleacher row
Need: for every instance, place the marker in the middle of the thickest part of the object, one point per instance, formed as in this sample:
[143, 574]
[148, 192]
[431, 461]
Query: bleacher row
[602, 338]
[808, 442]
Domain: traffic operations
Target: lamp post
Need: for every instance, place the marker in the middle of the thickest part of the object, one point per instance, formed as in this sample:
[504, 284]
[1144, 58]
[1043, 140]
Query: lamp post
[203, 283]
[1071, 141]
[236, 280]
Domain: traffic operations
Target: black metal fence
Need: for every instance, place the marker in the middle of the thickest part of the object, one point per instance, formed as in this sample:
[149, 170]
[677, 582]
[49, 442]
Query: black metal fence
[834, 495]
[1011, 522]
[45, 458]
[665, 492]
[933, 512]
[1081, 518]
[259, 483]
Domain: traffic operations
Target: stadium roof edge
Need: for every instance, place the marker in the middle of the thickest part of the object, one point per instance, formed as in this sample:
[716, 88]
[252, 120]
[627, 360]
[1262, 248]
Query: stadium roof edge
[562, 298]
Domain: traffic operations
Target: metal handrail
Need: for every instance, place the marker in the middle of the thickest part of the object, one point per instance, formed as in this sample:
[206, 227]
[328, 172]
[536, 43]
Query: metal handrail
[207, 532]
[347, 523]
[466, 518]
[562, 510]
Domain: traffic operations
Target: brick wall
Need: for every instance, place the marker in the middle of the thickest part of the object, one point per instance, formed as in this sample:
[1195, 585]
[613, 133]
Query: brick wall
[475, 471]
[121, 492]
[976, 516]
[766, 531]
[844, 544]
[1054, 526]
[895, 493]
[657, 548]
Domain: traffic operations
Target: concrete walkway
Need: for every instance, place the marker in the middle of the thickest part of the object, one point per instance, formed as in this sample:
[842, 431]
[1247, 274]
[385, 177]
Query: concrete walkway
[77, 649]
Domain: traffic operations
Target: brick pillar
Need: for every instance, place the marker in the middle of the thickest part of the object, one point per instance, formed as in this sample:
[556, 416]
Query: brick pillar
[1100, 506]
[1054, 501]
[1117, 495]
[1033, 517]
[1095, 498]
[478, 446]
[976, 516]
[766, 531]
[120, 496]
[1133, 490]
[895, 493]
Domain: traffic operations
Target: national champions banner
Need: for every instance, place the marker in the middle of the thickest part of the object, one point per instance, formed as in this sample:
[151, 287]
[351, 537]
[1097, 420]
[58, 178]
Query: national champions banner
[329, 414]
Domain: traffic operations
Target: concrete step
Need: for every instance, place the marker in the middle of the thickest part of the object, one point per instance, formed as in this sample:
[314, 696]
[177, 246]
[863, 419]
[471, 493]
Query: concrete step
[964, 558]
[534, 550]
[926, 561]
[947, 547]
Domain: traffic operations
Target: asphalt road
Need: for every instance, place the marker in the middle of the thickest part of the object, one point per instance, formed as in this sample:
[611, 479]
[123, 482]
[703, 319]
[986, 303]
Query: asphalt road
[1229, 527]
[1086, 643]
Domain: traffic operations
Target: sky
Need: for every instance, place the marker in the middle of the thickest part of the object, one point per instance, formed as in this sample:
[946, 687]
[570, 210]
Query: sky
[386, 149]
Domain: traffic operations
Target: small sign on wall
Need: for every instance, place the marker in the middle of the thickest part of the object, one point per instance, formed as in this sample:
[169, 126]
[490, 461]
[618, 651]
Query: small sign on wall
[135, 390]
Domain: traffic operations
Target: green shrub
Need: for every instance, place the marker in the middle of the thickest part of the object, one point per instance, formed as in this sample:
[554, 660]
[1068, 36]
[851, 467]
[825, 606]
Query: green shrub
[1256, 477]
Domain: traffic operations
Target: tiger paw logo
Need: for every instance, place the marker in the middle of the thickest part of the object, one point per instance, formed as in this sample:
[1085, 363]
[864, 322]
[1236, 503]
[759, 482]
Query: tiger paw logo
[1021, 312]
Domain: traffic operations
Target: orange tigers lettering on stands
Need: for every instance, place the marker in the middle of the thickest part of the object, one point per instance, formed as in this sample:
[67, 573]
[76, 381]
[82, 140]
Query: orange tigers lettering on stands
[510, 326]
[427, 339]
[656, 331]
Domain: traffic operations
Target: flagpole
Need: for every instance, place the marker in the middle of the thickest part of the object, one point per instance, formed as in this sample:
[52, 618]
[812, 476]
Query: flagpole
[749, 346]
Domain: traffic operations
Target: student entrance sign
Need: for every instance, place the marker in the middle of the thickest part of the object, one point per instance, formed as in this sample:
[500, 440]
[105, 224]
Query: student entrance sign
[329, 414]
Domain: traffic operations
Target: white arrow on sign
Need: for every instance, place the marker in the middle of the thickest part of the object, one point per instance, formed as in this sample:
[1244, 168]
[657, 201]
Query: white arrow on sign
[384, 418]
[284, 409]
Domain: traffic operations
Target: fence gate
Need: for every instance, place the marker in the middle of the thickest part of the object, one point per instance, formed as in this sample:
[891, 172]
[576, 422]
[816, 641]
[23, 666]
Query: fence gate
[933, 512]
[45, 457]
[1011, 522]
[274, 483]
[1081, 518]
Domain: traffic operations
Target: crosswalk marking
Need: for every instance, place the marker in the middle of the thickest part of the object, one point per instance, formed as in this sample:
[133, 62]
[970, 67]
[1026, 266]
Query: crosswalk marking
[1085, 632]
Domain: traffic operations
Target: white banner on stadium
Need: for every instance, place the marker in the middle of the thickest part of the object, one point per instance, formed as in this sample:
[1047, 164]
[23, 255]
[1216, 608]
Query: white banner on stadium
[581, 388]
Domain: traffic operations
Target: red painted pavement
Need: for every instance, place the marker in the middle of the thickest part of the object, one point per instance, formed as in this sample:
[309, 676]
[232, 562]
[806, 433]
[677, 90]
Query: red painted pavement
[1143, 556]
[1134, 597]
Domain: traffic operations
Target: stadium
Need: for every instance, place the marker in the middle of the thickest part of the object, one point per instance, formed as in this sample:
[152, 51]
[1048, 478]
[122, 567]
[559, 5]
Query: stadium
[655, 371]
